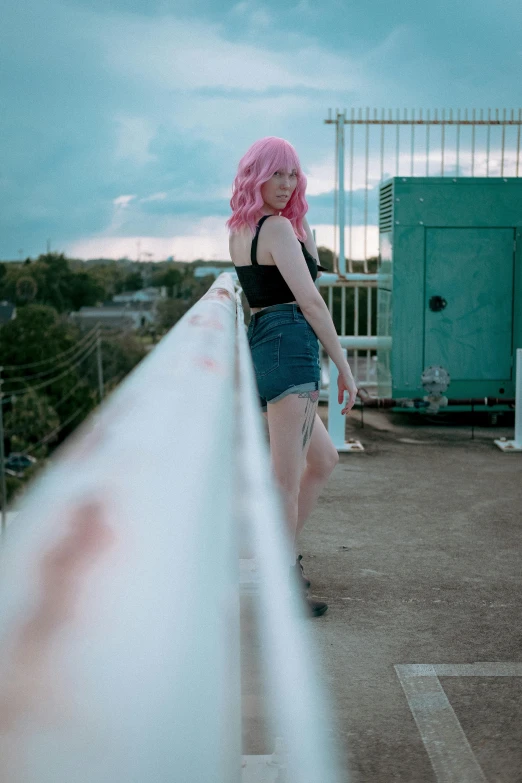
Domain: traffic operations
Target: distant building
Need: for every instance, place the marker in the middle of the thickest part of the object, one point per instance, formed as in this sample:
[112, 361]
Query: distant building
[151, 294]
[129, 310]
[87, 317]
[201, 271]
[7, 312]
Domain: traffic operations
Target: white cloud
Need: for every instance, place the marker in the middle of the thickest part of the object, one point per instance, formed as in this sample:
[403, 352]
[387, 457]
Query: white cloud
[245, 118]
[324, 235]
[165, 106]
[207, 239]
[119, 217]
[320, 176]
[123, 201]
[172, 54]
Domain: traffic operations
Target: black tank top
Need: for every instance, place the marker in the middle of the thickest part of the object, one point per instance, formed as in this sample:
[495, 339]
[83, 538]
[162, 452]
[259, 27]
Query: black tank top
[264, 285]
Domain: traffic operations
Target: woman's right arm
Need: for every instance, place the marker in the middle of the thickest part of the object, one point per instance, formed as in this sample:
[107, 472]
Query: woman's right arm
[319, 318]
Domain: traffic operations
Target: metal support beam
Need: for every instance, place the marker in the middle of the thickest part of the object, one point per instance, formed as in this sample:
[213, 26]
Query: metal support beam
[516, 444]
[336, 420]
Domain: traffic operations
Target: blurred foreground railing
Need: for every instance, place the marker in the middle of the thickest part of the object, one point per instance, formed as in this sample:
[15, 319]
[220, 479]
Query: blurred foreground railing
[119, 583]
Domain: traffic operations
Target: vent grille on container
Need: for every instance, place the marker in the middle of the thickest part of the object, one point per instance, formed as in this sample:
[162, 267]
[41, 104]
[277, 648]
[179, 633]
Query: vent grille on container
[386, 208]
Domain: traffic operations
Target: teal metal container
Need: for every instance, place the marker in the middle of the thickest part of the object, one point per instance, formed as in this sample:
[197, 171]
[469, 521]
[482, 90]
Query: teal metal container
[450, 284]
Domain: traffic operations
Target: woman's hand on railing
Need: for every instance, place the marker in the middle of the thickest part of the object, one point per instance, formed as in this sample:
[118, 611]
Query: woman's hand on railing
[346, 382]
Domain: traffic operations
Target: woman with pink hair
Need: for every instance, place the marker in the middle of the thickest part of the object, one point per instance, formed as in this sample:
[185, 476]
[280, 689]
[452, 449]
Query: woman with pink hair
[277, 269]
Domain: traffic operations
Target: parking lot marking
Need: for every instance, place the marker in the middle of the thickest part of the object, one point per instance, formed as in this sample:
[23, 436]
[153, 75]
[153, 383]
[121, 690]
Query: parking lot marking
[450, 753]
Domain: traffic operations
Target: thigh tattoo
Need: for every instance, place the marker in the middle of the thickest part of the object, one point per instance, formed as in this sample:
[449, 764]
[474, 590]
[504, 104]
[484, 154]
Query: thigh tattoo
[309, 418]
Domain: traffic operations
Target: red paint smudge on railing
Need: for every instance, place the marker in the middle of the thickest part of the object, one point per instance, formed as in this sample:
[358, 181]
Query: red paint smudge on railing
[30, 683]
[218, 293]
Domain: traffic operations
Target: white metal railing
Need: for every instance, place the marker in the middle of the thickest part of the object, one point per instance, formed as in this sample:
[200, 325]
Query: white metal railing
[364, 368]
[120, 652]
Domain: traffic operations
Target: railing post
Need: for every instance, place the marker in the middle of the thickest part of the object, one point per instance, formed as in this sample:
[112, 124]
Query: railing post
[336, 420]
[516, 444]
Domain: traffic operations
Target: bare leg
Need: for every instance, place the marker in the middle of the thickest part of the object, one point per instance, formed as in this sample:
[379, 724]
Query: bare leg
[311, 487]
[291, 422]
[320, 459]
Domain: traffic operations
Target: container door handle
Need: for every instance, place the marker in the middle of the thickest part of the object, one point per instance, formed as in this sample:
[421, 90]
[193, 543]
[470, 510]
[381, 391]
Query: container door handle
[437, 303]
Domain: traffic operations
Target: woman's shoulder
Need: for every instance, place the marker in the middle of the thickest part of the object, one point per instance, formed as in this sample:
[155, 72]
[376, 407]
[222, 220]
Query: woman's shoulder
[277, 224]
[281, 220]
[240, 233]
[239, 244]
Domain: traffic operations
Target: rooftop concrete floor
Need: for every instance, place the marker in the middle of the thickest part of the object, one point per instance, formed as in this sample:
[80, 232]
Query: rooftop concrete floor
[416, 548]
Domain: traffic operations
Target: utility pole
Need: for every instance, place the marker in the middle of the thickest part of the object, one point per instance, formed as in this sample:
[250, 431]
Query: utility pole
[2, 457]
[100, 364]
[339, 121]
[342, 258]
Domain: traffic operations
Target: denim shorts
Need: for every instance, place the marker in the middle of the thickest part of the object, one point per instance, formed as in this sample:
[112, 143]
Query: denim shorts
[285, 353]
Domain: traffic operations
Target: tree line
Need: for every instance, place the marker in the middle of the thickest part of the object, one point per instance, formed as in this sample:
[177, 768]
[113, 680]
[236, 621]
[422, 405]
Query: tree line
[49, 375]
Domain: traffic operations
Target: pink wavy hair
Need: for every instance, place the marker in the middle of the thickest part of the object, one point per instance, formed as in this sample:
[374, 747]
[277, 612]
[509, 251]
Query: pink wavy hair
[257, 166]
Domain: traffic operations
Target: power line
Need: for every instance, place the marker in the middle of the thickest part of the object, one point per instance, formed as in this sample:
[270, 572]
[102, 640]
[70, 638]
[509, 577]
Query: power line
[112, 332]
[72, 349]
[66, 396]
[18, 392]
[67, 363]
[9, 432]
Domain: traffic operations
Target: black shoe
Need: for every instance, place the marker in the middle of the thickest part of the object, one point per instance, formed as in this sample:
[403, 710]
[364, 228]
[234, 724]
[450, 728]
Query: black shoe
[315, 608]
[306, 581]
[309, 607]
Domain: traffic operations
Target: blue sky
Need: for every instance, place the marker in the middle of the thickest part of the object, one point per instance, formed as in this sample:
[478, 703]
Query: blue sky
[123, 121]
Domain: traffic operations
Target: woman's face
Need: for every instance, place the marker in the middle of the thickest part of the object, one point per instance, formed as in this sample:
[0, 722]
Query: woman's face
[276, 192]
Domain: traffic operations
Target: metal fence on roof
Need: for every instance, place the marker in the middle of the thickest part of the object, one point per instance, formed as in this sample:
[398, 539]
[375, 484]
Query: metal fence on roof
[384, 143]
[456, 143]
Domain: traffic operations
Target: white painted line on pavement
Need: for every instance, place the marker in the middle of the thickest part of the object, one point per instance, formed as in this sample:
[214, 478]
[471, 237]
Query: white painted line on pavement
[479, 669]
[450, 753]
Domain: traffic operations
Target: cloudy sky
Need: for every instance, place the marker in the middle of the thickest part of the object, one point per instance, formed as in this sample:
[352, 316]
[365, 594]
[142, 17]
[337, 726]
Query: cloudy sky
[123, 121]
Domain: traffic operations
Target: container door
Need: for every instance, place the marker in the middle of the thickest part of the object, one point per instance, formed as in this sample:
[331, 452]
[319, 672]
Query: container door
[469, 302]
